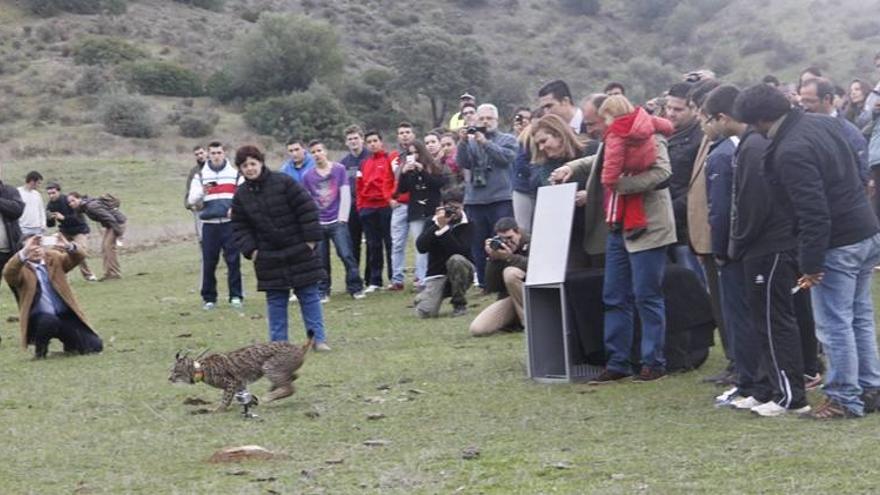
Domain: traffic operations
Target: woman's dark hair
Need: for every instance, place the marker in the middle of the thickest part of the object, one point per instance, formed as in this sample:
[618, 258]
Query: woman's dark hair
[425, 157]
[760, 103]
[866, 88]
[248, 151]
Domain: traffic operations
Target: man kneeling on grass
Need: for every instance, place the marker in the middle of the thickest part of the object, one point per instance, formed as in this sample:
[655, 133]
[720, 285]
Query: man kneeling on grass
[46, 304]
[508, 254]
[446, 239]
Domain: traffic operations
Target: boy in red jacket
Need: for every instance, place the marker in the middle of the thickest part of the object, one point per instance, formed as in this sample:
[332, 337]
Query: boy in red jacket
[375, 185]
[630, 150]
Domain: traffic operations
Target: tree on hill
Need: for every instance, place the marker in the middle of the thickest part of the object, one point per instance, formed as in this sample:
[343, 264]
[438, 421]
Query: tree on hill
[283, 53]
[438, 67]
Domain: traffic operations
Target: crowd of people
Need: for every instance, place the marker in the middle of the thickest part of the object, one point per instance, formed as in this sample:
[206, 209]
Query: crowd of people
[764, 193]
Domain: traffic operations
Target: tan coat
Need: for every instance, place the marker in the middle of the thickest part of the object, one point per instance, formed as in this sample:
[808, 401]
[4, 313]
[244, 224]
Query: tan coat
[698, 203]
[21, 277]
[658, 203]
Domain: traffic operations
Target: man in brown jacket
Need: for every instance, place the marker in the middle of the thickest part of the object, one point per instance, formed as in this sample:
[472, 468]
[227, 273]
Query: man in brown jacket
[113, 222]
[46, 304]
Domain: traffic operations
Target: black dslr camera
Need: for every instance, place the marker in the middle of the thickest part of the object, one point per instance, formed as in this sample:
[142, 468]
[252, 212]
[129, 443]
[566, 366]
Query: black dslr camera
[496, 243]
[475, 129]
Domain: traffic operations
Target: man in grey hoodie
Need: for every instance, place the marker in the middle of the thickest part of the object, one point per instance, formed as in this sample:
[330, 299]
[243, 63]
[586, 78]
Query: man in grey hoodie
[486, 155]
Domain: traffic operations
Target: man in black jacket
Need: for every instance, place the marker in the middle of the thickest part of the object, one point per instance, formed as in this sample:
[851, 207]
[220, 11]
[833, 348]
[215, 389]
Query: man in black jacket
[759, 270]
[814, 175]
[70, 223]
[446, 239]
[11, 208]
[683, 147]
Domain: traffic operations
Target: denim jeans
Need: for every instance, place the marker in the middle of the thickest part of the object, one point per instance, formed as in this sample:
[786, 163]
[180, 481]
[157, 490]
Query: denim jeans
[844, 316]
[376, 223]
[399, 236]
[337, 233]
[682, 255]
[633, 280]
[483, 218]
[309, 305]
[415, 228]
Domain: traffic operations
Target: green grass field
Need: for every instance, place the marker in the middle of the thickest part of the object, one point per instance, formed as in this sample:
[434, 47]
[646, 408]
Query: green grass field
[112, 423]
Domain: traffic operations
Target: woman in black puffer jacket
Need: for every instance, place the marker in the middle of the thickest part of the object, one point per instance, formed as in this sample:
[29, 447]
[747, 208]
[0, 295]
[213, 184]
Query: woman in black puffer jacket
[275, 224]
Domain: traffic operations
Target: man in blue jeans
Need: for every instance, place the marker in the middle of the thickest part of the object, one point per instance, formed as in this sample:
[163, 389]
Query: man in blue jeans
[815, 175]
[328, 186]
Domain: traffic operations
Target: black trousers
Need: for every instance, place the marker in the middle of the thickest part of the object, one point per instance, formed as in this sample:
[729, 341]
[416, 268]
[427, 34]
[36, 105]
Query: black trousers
[67, 328]
[770, 280]
[803, 312]
[356, 231]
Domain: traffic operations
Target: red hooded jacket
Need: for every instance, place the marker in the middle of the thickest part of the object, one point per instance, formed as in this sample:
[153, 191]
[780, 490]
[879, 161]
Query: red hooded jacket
[629, 144]
[375, 184]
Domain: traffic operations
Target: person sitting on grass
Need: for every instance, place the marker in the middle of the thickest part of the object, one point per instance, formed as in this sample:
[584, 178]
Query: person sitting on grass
[446, 239]
[508, 254]
[46, 304]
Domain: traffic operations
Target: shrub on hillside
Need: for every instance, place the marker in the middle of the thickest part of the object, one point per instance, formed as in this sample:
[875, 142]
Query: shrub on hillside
[196, 126]
[282, 53]
[315, 114]
[48, 8]
[864, 29]
[97, 50]
[581, 7]
[93, 80]
[783, 55]
[128, 116]
[368, 99]
[215, 5]
[156, 77]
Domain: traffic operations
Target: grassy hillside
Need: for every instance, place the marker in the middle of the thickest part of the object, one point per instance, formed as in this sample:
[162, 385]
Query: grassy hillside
[643, 43]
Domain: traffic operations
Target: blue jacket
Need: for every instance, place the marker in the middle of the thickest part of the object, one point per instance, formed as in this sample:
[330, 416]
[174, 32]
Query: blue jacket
[521, 171]
[491, 162]
[859, 145]
[719, 192]
[297, 173]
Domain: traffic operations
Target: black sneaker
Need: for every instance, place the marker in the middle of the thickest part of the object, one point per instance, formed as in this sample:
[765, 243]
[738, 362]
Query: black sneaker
[459, 310]
[607, 376]
[41, 350]
[649, 375]
[871, 398]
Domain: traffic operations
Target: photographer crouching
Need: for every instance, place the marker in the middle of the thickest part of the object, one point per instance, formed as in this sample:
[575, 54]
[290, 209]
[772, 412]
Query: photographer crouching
[446, 239]
[46, 304]
[508, 254]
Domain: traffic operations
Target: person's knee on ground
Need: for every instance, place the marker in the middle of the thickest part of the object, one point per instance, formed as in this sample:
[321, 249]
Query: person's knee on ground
[429, 300]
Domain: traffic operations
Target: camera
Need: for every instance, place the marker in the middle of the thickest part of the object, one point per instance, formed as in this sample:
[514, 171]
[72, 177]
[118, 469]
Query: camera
[475, 129]
[519, 118]
[450, 211]
[496, 243]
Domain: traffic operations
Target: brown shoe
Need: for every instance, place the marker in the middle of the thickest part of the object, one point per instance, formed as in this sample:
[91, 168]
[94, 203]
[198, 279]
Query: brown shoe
[649, 375]
[607, 376]
[831, 409]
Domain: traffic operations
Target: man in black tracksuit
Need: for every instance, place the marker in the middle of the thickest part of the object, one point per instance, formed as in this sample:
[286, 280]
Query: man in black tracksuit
[814, 175]
[768, 351]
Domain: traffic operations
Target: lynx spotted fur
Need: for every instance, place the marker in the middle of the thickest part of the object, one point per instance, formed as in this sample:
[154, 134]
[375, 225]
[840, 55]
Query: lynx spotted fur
[233, 371]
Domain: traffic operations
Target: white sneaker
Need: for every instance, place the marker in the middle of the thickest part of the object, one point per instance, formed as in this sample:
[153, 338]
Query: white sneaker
[208, 306]
[235, 302]
[358, 295]
[371, 288]
[322, 347]
[727, 397]
[92, 278]
[293, 297]
[746, 403]
[325, 299]
[773, 410]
